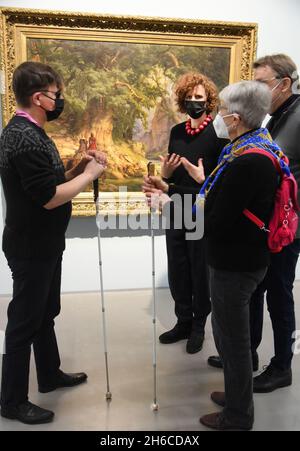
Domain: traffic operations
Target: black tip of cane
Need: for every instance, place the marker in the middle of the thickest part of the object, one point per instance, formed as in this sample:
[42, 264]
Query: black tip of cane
[96, 190]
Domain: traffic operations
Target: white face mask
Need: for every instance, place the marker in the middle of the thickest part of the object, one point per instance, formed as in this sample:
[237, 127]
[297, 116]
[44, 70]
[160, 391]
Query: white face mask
[279, 95]
[221, 128]
[278, 84]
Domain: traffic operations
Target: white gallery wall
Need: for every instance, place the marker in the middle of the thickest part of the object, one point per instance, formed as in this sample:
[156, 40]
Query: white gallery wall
[127, 260]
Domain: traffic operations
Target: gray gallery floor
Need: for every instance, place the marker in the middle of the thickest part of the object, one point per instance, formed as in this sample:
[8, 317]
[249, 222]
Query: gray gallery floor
[184, 381]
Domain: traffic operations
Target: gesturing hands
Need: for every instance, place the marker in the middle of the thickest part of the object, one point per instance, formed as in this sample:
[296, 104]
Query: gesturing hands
[196, 172]
[156, 189]
[169, 164]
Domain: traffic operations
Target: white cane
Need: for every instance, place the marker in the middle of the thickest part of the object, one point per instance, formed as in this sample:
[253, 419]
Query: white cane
[154, 406]
[98, 222]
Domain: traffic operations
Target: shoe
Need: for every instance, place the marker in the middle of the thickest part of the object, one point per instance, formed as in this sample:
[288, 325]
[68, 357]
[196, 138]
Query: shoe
[179, 332]
[216, 362]
[218, 398]
[218, 422]
[64, 380]
[27, 413]
[195, 342]
[272, 379]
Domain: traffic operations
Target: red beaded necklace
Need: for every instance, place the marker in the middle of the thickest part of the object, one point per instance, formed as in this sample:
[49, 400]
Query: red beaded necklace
[196, 131]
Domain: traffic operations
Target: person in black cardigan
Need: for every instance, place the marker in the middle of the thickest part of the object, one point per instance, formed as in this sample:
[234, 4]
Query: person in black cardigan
[38, 193]
[194, 140]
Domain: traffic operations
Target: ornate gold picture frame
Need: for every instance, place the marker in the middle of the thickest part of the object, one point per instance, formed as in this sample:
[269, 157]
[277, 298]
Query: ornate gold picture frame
[119, 73]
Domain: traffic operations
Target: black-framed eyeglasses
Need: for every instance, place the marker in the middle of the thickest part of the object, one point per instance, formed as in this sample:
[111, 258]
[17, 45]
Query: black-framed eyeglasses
[57, 94]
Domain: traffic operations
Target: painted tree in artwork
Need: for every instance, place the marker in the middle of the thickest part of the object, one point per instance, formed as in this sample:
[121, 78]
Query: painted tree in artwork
[122, 93]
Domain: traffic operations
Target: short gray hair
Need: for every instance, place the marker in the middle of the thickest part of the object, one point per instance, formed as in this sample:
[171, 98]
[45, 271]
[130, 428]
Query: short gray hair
[251, 100]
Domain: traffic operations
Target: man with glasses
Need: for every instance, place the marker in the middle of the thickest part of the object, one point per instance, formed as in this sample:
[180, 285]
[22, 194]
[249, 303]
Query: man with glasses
[279, 72]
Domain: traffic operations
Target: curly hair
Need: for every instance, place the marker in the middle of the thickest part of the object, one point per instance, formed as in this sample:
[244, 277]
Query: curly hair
[190, 81]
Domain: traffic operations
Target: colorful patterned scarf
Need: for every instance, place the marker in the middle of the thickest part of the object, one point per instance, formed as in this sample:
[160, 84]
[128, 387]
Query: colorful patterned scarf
[260, 139]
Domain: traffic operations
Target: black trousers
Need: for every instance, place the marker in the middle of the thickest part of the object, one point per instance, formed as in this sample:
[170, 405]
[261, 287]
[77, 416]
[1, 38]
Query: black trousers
[278, 284]
[188, 279]
[230, 296]
[31, 313]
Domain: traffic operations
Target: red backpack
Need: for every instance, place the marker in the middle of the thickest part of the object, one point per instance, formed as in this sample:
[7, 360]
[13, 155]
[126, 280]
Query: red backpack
[284, 221]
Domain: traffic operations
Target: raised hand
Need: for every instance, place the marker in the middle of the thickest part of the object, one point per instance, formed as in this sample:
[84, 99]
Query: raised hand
[169, 164]
[196, 172]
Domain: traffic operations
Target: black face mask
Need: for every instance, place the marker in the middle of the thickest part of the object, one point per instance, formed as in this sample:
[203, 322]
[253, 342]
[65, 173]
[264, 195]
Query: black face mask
[59, 108]
[195, 108]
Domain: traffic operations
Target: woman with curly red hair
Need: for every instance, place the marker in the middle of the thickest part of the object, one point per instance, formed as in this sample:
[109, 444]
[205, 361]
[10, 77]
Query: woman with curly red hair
[194, 139]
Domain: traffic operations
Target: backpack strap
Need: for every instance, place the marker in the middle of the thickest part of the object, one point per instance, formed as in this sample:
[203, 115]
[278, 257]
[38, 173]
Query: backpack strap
[256, 220]
[277, 166]
[275, 161]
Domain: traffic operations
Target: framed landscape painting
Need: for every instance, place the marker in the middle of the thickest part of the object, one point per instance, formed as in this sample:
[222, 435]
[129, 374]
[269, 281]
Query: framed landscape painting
[119, 74]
